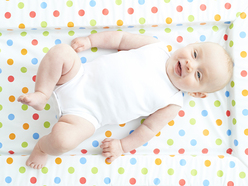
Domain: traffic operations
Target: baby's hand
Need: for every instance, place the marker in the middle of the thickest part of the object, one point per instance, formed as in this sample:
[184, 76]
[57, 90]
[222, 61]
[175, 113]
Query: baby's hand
[111, 149]
[81, 43]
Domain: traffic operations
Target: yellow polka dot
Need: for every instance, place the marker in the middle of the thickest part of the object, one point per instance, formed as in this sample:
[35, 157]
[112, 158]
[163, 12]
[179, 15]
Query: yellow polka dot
[58, 161]
[108, 133]
[219, 122]
[217, 17]
[9, 160]
[205, 132]
[24, 90]
[172, 156]
[108, 163]
[171, 123]
[25, 126]
[246, 132]
[245, 92]
[207, 163]
[122, 125]
[24, 51]
[10, 61]
[12, 136]
[243, 15]
[70, 24]
[119, 23]
[221, 156]
[243, 54]
[158, 134]
[169, 48]
[21, 26]
[168, 20]
[12, 98]
[158, 161]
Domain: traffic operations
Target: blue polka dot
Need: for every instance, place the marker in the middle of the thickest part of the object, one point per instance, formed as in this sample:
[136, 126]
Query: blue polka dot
[92, 3]
[156, 181]
[43, 5]
[131, 132]
[133, 161]
[107, 180]
[83, 59]
[229, 132]
[204, 113]
[202, 38]
[231, 164]
[57, 41]
[182, 162]
[11, 117]
[1, 71]
[95, 143]
[145, 144]
[82, 28]
[181, 132]
[236, 142]
[227, 22]
[130, 26]
[1, 145]
[36, 136]
[34, 61]
[57, 180]
[10, 42]
[179, 25]
[227, 94]
[8, 179]
[141, 2]
[245, 112]
[83, 160]
[193, 142]
[205, 183]
[190, 1]
[242, 34]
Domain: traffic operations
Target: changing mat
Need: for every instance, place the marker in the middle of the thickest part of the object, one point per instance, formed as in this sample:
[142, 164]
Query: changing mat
[205, 145]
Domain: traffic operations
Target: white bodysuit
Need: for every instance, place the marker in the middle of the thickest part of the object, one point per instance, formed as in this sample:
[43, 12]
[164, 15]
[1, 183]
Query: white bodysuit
[120, 87]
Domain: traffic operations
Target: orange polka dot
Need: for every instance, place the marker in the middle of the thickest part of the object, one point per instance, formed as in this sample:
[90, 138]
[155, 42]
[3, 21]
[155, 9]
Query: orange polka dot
[12, 136]
[246, 132]
[108, 163]
[12, 98]
[243, 15]
[205, 132]
[221, 156]
[24, 51]
[158, 134]
[203, 23]
[172, 156]
[24, 90]
[122, 125]
[119, 23]
[25, 126]
[245, 92]
[219, 122]
[108, 133]
[243, 54]
[9, 160]
[10, 61]
[207, 163]
[217, 17]
[169, 48]
[171, 123]
[168, 20]
[58, 161]
[158, 161]
[70, 24]
[21, 26]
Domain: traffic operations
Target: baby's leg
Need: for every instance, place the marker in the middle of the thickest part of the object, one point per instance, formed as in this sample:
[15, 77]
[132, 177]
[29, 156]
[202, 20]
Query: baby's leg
[66, 135]
[57, 67]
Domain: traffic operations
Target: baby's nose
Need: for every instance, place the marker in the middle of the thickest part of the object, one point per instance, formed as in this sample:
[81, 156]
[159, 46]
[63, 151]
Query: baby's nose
[188, 67]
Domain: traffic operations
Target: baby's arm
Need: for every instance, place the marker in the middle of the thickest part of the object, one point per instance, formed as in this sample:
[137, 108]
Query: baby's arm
[113, 148]
[112, 40]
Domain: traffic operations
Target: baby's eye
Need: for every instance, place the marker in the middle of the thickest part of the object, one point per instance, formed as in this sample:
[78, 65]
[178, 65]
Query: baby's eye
[199, 75]
[195, 54]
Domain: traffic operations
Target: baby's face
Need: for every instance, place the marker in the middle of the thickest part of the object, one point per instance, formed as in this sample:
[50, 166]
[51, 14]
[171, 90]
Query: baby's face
[198, 67]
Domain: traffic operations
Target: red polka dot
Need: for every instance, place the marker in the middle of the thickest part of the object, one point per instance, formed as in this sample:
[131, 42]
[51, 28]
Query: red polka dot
[11, 152]
[230, 183]
[204, 151]
[179, 39]
[181, 113]
[7, 15]
[181, 151]
[228, 113]
[130, 11]
[156, 151]
[243, 73]
[32, 14]
[203, 7]
[229, 151]
[246, 151]
[179, 8]
[33, 180]
[132, 181]
[228, 6]
[105, 11]
[154, 10]
[56, 13]
[35, 116]
[133, 151]
[182, 182]
[82, 180]
[84, 151]
[34, 78]
[225, 37]
[11, 78]
[81, 12]
[34, 42]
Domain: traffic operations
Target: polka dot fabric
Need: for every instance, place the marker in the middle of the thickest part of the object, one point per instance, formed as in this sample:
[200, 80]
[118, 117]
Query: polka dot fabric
[204, 145]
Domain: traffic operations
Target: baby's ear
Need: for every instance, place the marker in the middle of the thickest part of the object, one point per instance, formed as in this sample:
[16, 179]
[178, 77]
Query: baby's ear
[198, 94]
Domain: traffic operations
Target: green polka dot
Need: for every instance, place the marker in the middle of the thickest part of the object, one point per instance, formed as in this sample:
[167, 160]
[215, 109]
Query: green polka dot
[21, 5]
[23, 34]
[22, 170]
[242, 175]
[190, 29]
[24, 70]
[1, 89]
[47, 107]
[192, 121]
[192, 103]
[43, 24]
[215, 28]
[46, 124]
[217, 103]
[231, 26]
[93, 22]
[142, 20]
[24, 144]
[1, 34]
[46, 33]
[191, 18]
[24, 107]
[44, 170]
[71, 170]
[1, 125]
[232, 84]
[233, 103]
[45, 49]
[170, 172]
[166, 1]
[118, 2]
[94, 49]
[142, 31]
[1, 107]
[193, 172]
[220, 173]
[142, 121]
[144, 171]
[218, 142]
[121, 170]
[231, 43]
[238, 14]
[69, 3]
[71, 33]
[234, 121]
[170, 142]
[93, 32]
[167, 30]
[94, 170]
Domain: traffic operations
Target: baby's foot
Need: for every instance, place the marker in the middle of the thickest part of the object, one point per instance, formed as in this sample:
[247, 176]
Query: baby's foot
[37, 100]
[37, 159]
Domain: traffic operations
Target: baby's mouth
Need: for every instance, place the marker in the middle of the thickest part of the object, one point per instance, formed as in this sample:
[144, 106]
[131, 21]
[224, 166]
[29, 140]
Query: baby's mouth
[178, 69]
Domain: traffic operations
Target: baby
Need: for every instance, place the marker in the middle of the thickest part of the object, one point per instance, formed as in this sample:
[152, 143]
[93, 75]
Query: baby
[120, 87]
